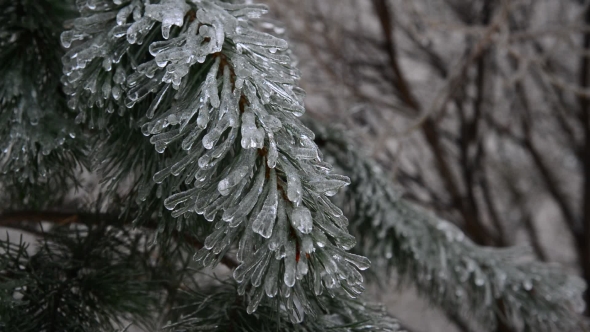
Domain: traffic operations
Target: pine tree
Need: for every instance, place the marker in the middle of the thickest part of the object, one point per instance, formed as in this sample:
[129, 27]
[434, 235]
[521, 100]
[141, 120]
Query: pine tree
[188, 114]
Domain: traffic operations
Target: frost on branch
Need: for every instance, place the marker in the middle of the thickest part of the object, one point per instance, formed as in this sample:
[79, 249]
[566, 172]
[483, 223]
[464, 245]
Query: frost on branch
[37, 146]
[219, 99]
[346, 314]
[442, 263]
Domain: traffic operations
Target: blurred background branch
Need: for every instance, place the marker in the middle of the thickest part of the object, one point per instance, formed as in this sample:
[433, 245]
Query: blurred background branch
[478, 108]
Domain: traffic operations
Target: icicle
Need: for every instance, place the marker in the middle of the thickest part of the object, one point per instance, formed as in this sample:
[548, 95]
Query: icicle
[252, 137]
[156, 102]
[138, 29]
[271, 122]
[272, 277]
[161, 175]
[203, 118]
[302, 267]
[225, 186]
[265, 220]
[317, 281]
[171, 202]
[273, 153]
[290, 264]
[67, 37]
[297, 312]
[166, 137]
[169, 12]
[255, 300]
[259, 271]
[247, 203]
[232, 179]
[188, 141]
[123, 14]
[180, 165]
[213, 238]
[210, 85]
[166, 45]
[226, 93]
[261, 39]
[213, 135]
[362, 263]
[213, 156]
[326, 185]
[305, 153]
[247, 266]
[280, 234]
[294, 189]
[248, 10]
[307, 244]
[244, 245]
[106, 88]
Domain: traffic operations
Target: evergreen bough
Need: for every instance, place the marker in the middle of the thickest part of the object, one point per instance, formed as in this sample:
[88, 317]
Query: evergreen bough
[188, 112]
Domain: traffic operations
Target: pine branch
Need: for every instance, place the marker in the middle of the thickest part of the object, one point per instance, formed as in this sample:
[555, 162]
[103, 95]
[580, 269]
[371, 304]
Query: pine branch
[218, 99]
[29, 221]
[194, 308]
[208, 309]
[39, 155]
[84, 279]
[445, 266]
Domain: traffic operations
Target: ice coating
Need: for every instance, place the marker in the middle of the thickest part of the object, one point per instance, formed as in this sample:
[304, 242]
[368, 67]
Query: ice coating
[219, 99]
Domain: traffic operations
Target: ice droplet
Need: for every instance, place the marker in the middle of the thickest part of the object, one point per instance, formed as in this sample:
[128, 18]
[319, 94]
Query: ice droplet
[479, 281]
[301, 219]
[527, 285]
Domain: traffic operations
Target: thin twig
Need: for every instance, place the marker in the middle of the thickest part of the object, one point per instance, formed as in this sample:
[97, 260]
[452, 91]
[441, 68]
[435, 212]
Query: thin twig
[30, 221]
